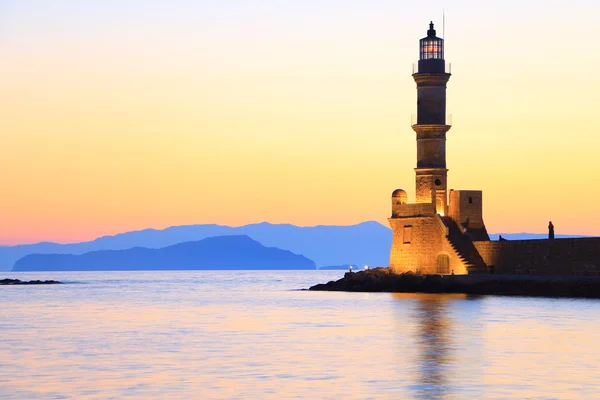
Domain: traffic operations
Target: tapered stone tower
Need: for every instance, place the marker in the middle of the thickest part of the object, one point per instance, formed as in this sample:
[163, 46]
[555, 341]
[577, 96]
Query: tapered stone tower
[435, 234]
[431, 77]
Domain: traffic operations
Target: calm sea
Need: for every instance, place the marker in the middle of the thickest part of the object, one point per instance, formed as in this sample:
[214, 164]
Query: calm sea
[253, 335]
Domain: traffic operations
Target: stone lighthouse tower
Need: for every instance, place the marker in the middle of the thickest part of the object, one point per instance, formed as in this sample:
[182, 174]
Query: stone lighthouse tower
[436, 233]
[431, 78]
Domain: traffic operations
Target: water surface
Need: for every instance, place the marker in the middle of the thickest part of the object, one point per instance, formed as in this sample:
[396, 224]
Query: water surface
[251, 335]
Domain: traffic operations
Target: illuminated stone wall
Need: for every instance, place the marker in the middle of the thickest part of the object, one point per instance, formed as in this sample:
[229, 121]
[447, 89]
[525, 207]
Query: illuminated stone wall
[466, 205]
[426, 182]
[417, 242]
[423, 188]
[411, 210]
[542, 257]
[431, 172]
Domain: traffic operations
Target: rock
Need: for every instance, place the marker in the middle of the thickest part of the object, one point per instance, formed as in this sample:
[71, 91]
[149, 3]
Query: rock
[35, 282]
[434, 284]
[383, 280]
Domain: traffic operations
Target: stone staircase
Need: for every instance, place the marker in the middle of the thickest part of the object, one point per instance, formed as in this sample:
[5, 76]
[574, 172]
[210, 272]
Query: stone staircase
[463, 246]
[468, 264]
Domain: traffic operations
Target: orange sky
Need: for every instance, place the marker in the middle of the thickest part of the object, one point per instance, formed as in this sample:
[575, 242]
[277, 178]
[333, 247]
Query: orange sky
[128, 115]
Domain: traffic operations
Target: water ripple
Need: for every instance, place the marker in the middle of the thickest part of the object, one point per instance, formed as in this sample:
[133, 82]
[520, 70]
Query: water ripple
[247, 335]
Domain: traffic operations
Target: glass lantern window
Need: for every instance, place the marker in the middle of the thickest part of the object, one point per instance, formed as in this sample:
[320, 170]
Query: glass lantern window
[432, 48]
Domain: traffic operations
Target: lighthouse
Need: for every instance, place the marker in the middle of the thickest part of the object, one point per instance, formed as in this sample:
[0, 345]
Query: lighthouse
[431, 77]
[435, 234]
[442, 232]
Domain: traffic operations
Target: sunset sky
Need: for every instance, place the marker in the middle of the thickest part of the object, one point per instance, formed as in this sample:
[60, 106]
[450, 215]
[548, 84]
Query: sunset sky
[120, 115]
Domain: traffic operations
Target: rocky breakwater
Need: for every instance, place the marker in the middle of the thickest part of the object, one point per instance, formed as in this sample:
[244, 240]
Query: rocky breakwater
[383, 280]
[20, 282]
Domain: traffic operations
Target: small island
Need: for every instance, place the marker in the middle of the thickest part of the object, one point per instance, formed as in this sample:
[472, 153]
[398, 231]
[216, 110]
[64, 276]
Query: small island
[20, 282]
[383, 280]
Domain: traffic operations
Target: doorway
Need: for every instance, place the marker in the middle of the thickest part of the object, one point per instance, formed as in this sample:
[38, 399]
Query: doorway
[442, 264]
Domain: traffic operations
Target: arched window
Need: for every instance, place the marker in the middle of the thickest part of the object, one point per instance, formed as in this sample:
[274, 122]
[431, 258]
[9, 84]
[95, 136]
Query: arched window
[439, 206]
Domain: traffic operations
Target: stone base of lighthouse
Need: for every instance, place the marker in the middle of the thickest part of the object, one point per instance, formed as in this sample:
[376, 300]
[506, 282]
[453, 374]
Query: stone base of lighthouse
[424, 241]
[420, 245]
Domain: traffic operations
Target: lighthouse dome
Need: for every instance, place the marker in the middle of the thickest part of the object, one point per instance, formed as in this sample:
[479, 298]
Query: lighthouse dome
[399, 195]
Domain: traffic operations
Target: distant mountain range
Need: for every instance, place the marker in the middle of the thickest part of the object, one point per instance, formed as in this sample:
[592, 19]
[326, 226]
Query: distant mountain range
[367, 243]
[364, 243]
[216, 253]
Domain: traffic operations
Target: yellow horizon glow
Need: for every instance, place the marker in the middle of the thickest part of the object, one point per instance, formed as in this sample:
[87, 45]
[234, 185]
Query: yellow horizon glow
[287, 118]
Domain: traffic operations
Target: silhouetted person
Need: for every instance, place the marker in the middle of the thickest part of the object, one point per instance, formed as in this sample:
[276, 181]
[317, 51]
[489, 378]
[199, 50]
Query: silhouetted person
[550, 230]
[501, 238]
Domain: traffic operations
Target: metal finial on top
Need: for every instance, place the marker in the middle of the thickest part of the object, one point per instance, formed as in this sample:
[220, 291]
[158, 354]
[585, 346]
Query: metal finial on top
[431, 31]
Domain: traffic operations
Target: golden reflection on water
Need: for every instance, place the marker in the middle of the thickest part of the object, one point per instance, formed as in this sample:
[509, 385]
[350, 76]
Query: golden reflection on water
[434, 340]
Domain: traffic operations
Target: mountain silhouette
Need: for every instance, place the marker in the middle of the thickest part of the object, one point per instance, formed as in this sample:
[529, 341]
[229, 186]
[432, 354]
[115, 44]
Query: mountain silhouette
[327, 245]
[215, 253]
[364, 243]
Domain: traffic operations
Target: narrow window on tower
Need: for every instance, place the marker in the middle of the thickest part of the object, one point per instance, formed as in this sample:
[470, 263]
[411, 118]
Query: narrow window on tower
[407, 234]
[470, 200]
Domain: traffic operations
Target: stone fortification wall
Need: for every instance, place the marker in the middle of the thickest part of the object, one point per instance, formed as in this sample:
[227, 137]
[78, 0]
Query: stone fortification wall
[400, 210]
[466, 207]
[419, 244]
[579, 257]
